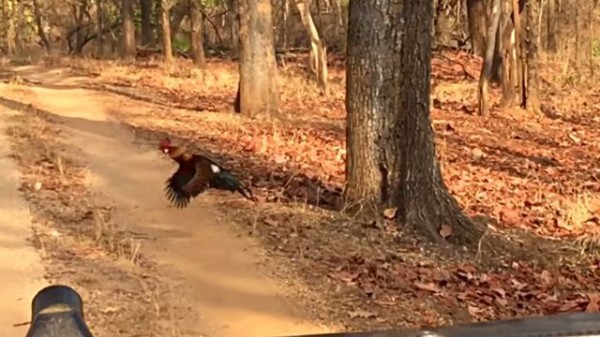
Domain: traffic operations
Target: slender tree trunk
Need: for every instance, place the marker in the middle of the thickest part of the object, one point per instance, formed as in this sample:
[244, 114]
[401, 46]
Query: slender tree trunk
[100, 29]
[516, 10]
[509, 65]
[532, 101]
[551, 27]
[165, 24]
[40, 27]
[147, 33]
[476, 14]
[196, 34]
[318, 51]
[234, 29]
[80, 35]
[11, 34]
[128, 42]
[486, 70]
[259, 94]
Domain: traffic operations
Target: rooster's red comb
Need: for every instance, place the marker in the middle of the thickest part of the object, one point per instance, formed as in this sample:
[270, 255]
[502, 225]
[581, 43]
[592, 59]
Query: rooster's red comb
[165, 143]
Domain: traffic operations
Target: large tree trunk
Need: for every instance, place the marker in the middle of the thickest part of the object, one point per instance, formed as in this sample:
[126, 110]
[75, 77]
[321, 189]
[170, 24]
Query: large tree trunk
[196, 36]
[390, 137]
[165, 24]
[476, 14]
[425, 201]
[128, 39]
[146, 12]
[532, 99]
[258, 69]
[486, 71]
[372, 134]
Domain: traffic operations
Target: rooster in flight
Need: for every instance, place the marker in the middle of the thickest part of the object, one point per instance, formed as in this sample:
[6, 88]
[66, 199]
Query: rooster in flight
[196, 174]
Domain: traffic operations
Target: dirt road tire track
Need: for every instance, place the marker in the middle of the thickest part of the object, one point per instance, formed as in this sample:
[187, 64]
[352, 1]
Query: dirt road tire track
[20, 265]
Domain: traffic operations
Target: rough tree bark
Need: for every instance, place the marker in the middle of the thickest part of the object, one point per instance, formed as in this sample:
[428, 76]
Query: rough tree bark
[486, 69]
[372, 132]
[165, 24]
[145, 13]
[532, 100]
[389, 124]
[259, 93]
[128, 37]
[318, 51]
[196, 34]
[425, 201]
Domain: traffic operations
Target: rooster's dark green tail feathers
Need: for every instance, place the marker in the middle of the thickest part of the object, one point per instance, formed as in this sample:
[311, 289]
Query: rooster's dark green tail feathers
[226, 180]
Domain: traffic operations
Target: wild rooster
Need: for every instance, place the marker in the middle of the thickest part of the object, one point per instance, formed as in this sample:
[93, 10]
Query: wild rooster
[195, 175]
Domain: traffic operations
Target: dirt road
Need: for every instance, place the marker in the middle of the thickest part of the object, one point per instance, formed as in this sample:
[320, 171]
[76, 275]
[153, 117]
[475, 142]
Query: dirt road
[20, 266]
[218, 268]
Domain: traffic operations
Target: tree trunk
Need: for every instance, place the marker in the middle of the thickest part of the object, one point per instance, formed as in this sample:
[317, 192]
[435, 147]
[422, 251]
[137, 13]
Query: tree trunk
[509, 61]
[444, 25]
[147, 32]
[165, 25]
[486, 70]
[258, 69]
[532, 100]
[318, 51]
[234, 29]
[100, 29]
[80, 35]
[40, 27]
[425, 201]
[516, 10]
[372, 132]
[128, 39]
[476, 14]
[11, 34]
[390, 137]
[551, 17]
[196, 37]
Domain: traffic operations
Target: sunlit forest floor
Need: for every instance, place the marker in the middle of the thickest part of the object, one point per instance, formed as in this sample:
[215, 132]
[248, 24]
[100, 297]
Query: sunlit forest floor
[535, 179]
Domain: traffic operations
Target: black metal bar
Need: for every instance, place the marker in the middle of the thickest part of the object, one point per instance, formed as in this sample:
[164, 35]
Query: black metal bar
[561, 325]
